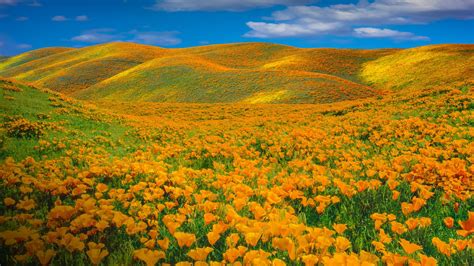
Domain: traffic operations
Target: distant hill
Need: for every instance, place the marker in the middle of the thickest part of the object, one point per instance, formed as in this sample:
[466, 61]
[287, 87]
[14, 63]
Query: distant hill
[422, 67]
[242, 72]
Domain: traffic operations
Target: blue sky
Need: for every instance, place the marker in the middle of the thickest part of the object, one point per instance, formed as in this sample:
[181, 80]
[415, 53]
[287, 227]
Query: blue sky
[33, 24]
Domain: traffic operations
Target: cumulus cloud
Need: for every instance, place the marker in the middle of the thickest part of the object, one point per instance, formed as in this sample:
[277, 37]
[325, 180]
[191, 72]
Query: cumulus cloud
[341, 19]
[98, 36]
[24, 46]
[33, 3]
[8, 2]
[369, 32]
[223, 5]
[161, 38]
[59, 18]
[82, 18]
[9, 46]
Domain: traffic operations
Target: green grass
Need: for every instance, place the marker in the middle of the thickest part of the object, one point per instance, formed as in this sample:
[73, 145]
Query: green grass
[75, 121]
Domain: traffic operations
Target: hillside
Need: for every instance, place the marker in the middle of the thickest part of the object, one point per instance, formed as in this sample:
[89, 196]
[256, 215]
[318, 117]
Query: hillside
[421, 67]
[242, 72]
[77, 69]
[245, 72]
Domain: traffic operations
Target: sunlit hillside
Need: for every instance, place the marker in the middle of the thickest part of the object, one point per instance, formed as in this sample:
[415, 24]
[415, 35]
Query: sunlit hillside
[422, 67]
[246, 72]
[76, 69]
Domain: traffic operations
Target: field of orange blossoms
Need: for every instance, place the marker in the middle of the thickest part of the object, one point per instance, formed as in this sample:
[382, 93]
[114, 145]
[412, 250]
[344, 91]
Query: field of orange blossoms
[385, 181]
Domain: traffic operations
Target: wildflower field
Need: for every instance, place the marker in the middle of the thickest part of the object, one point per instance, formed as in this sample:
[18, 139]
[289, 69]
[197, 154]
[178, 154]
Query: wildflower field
[363, 182]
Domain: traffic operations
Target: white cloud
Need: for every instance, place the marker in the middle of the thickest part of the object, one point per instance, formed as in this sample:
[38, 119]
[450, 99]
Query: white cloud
[59, 18]
[24, 46]
[224, 5]
[369, 32]
[9, 46]
[82, 18]
[342, 18]
[8, 2]
[97, 36]
[271, 30]
[163, 38]
[21, 18]
[33, 3]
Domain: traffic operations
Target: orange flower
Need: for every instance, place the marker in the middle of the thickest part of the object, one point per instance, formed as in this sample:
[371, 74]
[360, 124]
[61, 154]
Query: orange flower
[252, 238]
[200, 254]
[232, 240]
[409, 247]
[407, 208]
[9, 201]
[96, 252]
[339, 228]
[384, 238]
[26, 204]
[310, 260]
[185, 239]
[379, 246]
[101, 187]
[278, 262]
[427, 261]
[342, 244]
[273, 198]
[163, 243]
[45, 256]
[442, 247]
[285, 244]
[412, 223]
[150, 257]
[212, 237]
[467, 226]
[449, 222]
[395, 194]
[398, 227]
[209, 218]
[233, 253]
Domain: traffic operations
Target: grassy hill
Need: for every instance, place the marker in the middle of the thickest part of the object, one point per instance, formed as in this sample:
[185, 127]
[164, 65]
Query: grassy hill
[77, 69]
[421, 67]
[242, 72]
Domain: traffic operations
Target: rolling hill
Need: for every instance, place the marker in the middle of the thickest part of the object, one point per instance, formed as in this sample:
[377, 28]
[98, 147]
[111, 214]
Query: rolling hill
[421, 67]
[242, 72]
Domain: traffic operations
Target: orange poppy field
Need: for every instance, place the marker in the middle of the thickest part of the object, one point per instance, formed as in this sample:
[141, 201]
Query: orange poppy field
[366, 180]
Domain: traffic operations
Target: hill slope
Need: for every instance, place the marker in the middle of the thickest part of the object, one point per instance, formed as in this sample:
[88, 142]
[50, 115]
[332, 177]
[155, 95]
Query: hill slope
[77, 69]
[242, 72]
[422, 67]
